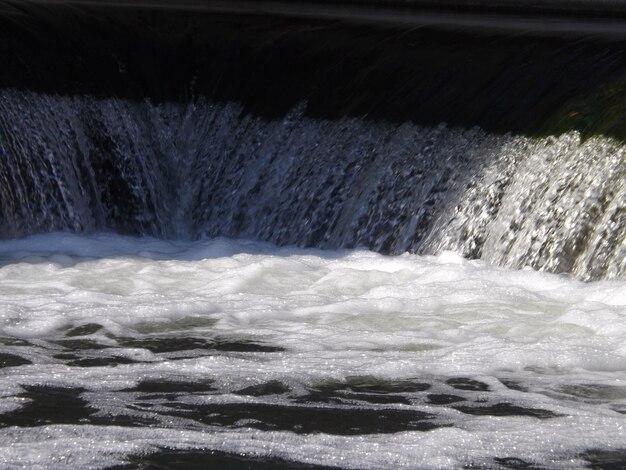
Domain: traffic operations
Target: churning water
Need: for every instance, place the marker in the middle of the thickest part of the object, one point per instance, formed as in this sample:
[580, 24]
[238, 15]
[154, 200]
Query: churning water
[245, 241]
[115, 348]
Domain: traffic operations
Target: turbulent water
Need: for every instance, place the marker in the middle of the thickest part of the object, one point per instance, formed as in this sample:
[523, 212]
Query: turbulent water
[120, 351]
[285, 238]
[203, 169]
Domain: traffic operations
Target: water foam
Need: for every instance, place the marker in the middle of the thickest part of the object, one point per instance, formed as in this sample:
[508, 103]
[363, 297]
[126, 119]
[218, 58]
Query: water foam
[538, 342]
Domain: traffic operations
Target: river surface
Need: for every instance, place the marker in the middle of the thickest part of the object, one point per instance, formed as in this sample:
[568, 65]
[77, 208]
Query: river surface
[136, 352]
[260, 235]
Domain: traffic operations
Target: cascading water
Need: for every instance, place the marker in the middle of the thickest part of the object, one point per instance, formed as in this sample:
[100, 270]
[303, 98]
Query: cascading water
[206, 169]
[249, 241]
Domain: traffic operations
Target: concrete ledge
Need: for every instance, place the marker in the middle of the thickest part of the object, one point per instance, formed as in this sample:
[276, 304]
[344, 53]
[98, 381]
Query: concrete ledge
[599, 18]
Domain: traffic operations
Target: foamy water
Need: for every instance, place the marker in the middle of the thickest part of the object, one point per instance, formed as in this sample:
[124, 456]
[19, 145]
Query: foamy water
[343, 358]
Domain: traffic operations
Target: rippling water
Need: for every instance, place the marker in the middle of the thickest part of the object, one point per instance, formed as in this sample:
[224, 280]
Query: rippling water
[131, 352]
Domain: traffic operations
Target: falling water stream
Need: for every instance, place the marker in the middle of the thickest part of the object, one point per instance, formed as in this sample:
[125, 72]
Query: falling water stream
[232, 279]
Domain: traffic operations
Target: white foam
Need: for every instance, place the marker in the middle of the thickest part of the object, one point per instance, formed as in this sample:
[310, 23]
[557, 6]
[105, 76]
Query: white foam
[337, 314]
[479, 317]
[94, 447]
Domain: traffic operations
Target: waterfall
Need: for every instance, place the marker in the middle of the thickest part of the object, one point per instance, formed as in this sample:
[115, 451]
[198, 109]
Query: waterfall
[303, 132]
[210, 169]
[279, 234]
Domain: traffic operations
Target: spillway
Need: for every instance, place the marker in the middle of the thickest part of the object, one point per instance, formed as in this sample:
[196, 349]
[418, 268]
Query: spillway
[244, 234]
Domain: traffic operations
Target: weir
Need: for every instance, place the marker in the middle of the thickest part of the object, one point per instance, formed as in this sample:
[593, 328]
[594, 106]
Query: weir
[320, 127]
[280, 234]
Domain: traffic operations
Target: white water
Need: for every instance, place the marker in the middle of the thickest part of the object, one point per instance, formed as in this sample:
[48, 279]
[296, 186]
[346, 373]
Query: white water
[337, 314]
[206, 169]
